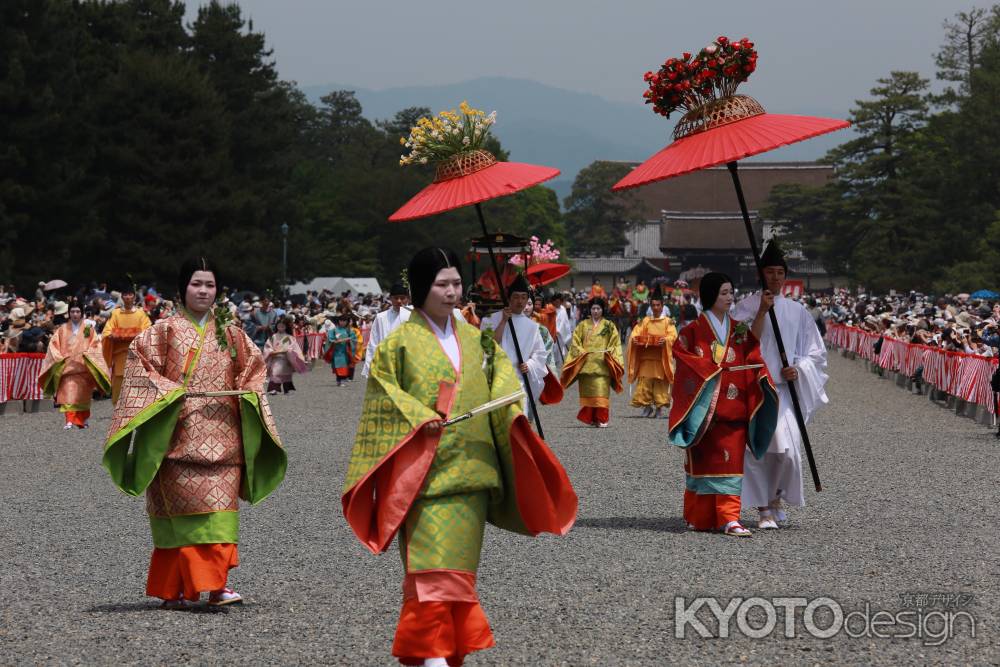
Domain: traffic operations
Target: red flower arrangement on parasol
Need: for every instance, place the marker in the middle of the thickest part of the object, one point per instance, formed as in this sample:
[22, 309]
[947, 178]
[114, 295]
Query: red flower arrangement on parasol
[687, 83]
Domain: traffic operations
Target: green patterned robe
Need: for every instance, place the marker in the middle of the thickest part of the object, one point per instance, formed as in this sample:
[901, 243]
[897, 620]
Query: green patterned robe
[440, 490]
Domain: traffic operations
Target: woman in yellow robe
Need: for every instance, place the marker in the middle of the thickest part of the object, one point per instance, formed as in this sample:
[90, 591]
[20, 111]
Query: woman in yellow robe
[73, 368]
[650, 359]
[437, 486]
[119, 331]
[193, 430]
[595, 359]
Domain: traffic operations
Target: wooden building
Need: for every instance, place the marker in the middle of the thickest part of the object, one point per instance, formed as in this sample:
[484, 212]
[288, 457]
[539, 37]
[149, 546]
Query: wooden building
[693, 222]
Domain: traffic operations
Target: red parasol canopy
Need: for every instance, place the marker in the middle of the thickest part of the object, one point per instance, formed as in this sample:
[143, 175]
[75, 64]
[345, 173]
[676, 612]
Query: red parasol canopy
[483, 179]
[728, 143]
[543, 274]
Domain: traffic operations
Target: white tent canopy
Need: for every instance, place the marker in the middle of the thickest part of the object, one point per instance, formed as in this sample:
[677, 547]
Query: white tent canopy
[337, 284]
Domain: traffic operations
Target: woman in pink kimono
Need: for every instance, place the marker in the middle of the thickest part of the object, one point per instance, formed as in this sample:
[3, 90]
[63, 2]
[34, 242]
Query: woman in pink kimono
[283, 357]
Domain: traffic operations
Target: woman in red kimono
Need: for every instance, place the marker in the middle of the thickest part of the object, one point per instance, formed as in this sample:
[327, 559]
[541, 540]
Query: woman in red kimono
[723, 402]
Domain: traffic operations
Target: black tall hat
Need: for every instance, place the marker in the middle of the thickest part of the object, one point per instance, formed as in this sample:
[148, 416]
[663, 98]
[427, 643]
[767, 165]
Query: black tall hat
[656, 294]
[398, 289]
[773, 256]
[519, 284]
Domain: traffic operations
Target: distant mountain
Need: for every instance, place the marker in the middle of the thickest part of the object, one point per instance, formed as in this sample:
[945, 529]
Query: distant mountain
[547, 125]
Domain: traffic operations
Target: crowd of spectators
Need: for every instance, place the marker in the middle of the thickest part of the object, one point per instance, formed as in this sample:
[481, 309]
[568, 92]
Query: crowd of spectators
[28, 321]
[954, 323]
[958, 323]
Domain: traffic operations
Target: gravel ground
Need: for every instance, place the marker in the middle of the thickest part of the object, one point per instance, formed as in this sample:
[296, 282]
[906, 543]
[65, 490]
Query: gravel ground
[907, 507]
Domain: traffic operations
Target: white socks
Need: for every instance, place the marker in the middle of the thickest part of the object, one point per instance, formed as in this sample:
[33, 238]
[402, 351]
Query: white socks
[435, 662]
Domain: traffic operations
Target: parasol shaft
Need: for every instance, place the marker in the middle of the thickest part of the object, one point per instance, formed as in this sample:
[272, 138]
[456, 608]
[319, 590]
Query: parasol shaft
[510, 324]
[216, 394]
[774, 325]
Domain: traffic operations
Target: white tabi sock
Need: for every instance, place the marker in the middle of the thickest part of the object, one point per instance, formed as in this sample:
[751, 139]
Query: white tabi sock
[435, 662]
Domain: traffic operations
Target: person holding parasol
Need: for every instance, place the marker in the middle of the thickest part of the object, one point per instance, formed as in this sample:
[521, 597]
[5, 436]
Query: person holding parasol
[722, 127]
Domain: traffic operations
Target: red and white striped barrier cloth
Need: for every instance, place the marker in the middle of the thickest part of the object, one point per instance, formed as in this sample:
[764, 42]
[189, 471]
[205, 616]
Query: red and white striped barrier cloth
[19, 376]
[966, 376]
[311, 344]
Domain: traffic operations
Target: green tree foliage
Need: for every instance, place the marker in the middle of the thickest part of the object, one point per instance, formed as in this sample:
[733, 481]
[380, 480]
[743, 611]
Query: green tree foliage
[965, 37]
[129, 141]
[596, 217]
[915, 201]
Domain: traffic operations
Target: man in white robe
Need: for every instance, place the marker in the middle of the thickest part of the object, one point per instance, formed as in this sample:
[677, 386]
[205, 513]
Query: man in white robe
[564, 329]
[529, 339]
[386, 322]
[777, 477]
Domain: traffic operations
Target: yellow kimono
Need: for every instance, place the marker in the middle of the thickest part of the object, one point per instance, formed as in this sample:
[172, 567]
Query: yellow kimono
[73, 368]
[437, 491]
[119, 332]
[595, 359]
[650, 361]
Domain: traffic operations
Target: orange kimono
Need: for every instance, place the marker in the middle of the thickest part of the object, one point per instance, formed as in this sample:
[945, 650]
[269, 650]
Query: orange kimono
[73, 368]
[723, 402]
[650, 361]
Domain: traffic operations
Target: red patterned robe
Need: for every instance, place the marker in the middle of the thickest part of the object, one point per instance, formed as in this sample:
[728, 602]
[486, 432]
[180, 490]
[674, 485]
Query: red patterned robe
[717, 411]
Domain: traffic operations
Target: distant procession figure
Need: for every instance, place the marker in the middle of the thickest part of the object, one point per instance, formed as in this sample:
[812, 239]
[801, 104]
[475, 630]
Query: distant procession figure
[74, 368]
[723, 402]
[386, 322]
[543, 383]
[283, 357]
[436, 487]
[340, 347]
[776, 480]
[594, 360]
[120, 330]
[195, 455]
[650, 358]
[564, 329]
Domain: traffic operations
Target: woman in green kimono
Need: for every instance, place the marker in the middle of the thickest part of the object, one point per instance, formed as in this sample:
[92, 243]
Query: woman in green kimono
[595, 359]
[437, 486]
[193, 413]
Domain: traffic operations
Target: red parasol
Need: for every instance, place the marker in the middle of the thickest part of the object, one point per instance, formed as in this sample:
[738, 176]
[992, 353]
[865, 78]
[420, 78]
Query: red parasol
[543, 274]
[726, 143]
[479, 178]
[468, 175]
[722, 127]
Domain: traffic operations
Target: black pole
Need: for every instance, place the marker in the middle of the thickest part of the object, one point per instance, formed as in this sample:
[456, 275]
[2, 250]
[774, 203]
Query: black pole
[510, 324]
[774, 325]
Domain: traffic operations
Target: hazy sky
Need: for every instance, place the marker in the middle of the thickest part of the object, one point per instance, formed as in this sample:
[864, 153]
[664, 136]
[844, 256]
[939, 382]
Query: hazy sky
[815, 55]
